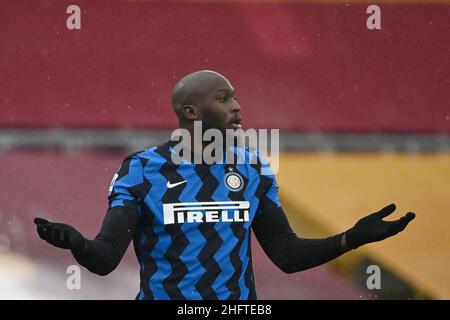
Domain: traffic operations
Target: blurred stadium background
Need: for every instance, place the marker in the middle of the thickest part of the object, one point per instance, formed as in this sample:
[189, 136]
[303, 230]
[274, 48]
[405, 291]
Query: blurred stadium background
[364, 118]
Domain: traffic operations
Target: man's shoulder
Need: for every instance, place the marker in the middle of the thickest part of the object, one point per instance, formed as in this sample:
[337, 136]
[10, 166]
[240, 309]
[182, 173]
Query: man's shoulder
[250, 155]
[152, 153]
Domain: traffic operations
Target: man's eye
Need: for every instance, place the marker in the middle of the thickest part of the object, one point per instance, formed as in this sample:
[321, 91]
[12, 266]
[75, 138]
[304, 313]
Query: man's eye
[235, 98]
[222, 99]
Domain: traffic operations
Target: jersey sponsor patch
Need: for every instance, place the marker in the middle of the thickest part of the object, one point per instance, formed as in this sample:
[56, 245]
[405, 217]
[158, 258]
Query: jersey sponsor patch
[197, 212]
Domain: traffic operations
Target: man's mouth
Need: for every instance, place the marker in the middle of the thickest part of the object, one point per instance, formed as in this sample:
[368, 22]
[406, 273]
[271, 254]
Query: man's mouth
[236, 123]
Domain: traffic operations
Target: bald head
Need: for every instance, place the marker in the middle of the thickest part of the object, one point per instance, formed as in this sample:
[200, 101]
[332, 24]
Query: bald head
[194, 88]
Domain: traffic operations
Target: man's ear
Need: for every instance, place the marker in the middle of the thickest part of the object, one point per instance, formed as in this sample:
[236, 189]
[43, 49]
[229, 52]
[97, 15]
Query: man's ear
[190, 112]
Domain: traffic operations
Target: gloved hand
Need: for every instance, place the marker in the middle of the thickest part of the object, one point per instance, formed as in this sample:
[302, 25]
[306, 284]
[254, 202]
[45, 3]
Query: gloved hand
[60, 235]
[372, 228]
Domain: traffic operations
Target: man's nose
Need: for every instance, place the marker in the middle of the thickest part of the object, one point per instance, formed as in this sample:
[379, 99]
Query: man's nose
[236, 107]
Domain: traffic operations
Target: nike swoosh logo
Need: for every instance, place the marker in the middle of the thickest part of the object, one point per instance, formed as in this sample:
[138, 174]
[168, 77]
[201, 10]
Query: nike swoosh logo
[171, 185]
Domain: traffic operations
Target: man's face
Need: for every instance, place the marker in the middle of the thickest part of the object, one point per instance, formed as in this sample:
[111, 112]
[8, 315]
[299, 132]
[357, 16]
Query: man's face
[219, 108]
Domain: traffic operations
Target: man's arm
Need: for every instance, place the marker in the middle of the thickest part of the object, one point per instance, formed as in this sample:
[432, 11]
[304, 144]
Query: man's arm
[293, 254]
[103, 254]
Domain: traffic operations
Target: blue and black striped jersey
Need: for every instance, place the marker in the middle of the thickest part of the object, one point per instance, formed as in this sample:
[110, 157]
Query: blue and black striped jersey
[193, 239]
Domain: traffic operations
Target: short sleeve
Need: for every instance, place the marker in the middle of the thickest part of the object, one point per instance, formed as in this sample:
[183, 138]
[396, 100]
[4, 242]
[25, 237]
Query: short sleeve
[124, 183]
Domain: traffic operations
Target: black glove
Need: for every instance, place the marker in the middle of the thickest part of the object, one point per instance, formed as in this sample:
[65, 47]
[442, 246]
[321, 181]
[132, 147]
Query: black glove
[60, 235]
[372, 228]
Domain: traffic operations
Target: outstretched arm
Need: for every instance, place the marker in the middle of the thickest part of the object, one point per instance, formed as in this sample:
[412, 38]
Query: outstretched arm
[103, 254]
[293, 254]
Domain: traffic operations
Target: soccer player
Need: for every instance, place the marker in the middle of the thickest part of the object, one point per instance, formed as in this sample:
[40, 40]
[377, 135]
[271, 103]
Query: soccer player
[190, 223]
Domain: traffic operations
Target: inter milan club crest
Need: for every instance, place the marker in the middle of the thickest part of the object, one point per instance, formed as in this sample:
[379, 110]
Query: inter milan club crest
[234, 181]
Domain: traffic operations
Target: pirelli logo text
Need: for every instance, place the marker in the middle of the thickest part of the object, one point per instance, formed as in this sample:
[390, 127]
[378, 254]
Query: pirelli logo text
[191, 212]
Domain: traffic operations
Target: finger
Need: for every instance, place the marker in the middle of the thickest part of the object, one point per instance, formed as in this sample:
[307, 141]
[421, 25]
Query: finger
[66, 236]
[407, 218]
[40, 221]
[385, 211]
[56, 235]
[45, 232]
[410, 216]
[42, 232]
[61, 238]
[400, 224]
